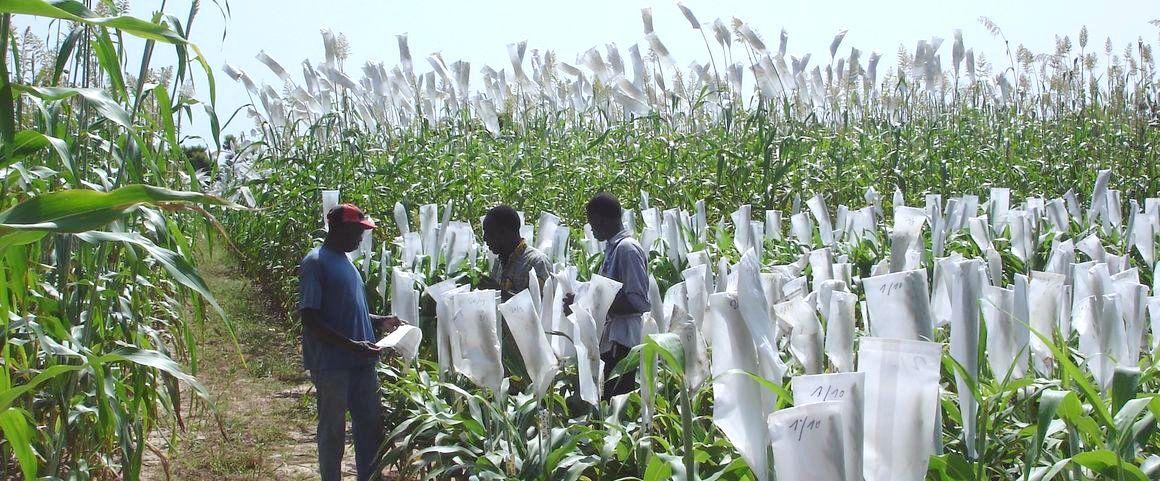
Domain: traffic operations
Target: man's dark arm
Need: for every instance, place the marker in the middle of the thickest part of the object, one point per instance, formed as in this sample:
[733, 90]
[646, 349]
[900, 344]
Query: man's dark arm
[312, 320]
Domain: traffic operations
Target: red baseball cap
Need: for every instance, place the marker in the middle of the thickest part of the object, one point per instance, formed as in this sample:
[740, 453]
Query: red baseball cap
[345, 213]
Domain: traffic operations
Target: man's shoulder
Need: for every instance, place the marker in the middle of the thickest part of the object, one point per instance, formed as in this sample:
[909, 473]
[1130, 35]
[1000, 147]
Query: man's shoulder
[629, 243]
[533, 254]
[311, 256]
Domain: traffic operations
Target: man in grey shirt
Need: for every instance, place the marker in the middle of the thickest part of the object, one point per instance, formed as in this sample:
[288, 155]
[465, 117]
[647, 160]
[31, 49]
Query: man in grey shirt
[625, 262]
[515, 258]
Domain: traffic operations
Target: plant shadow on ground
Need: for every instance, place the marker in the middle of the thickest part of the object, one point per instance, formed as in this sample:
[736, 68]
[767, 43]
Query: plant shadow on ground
[264, 426]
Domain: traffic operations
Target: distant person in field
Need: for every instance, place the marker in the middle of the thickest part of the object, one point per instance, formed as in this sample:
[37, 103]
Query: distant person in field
[516, 259]
[338, 345]
[625, 262]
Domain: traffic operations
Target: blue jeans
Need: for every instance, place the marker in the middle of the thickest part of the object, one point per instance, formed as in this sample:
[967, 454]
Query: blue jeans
[339, 390]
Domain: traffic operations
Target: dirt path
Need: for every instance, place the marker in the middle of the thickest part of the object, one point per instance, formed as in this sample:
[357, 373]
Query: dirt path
[266, 407]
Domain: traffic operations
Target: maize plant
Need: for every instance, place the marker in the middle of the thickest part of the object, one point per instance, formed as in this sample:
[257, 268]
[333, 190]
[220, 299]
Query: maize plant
[99, 211]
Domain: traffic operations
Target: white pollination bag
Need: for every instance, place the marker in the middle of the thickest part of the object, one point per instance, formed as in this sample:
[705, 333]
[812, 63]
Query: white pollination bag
[596, 297]
[846, 390]
[404, 297]
[803, 231]
[476, 341]
[589, 366]
[755, 313]
[1002, 346]
[805, 338]
[906, 239]
[840, 331]
[742, 237]
[329, 201]
[899, 305]
[737, 399]
[1154, 317]
[429, 229]
[808, 443]
[524, 323]
[401, 220]
[821, 266]
[698, 291]
[459, 239]
[546, 232]
[818, 208]
[444, 312]
[966, 290]
[902, 385]
[1044, 302]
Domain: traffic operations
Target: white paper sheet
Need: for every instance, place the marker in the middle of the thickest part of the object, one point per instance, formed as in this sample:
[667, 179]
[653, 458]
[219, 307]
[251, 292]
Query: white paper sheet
[404, 340]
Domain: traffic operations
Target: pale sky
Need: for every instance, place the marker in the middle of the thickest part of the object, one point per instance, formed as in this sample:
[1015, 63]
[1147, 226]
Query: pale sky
[479, 31]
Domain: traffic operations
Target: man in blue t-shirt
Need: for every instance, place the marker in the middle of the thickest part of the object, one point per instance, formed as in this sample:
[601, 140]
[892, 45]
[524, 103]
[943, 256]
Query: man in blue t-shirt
[338, 345]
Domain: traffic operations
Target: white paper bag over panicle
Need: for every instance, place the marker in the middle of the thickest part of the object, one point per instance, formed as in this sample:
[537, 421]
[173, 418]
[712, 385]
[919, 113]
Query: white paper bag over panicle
[1092, 246]
[802, 229]
[460, 238]
[840, 331]
[546, 231]
[906, 239]
[1061, 258]
[742, 238]
[899, 305]
[647, 363]
[901, 392]
[674, 239]
[809, 443]
[477, 338]
[940, 296]
[553, 309]
[1154, 317]
[805, 333]
[404, 297]
[997, 307]
[444, 312]
[966, 290]
[591, 245]
[697, 292]
[755, 313]
[861, 224]
[1133, 303]
[596, 297]
[1143, 236]
[821, 266]
[524, 324]
[1058, 215]
[737, 399]
[1044, 302]
[428, 229]
[589, 366]
[329, 201]
[693, 344]
[980, 232]
[773, 224]
[700, 221]
[818, 208]
[401, 220]
[1000, 201]
[1022, 242]
[846, 390]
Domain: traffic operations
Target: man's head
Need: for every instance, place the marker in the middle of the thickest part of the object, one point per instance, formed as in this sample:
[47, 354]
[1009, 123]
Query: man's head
[604, 213]
[347, 224]
[501, 229]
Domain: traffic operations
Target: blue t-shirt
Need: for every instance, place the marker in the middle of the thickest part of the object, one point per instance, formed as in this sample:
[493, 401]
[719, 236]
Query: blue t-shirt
[329, 282]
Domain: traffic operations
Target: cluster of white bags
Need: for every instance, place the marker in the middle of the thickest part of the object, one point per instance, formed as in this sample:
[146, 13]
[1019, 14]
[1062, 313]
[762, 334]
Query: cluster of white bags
[800, 319]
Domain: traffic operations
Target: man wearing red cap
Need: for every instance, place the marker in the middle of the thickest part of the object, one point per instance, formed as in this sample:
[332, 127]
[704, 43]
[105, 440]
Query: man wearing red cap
[338, 345]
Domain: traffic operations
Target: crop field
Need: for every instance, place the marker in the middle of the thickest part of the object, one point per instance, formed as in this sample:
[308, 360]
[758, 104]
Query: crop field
[923, 264]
